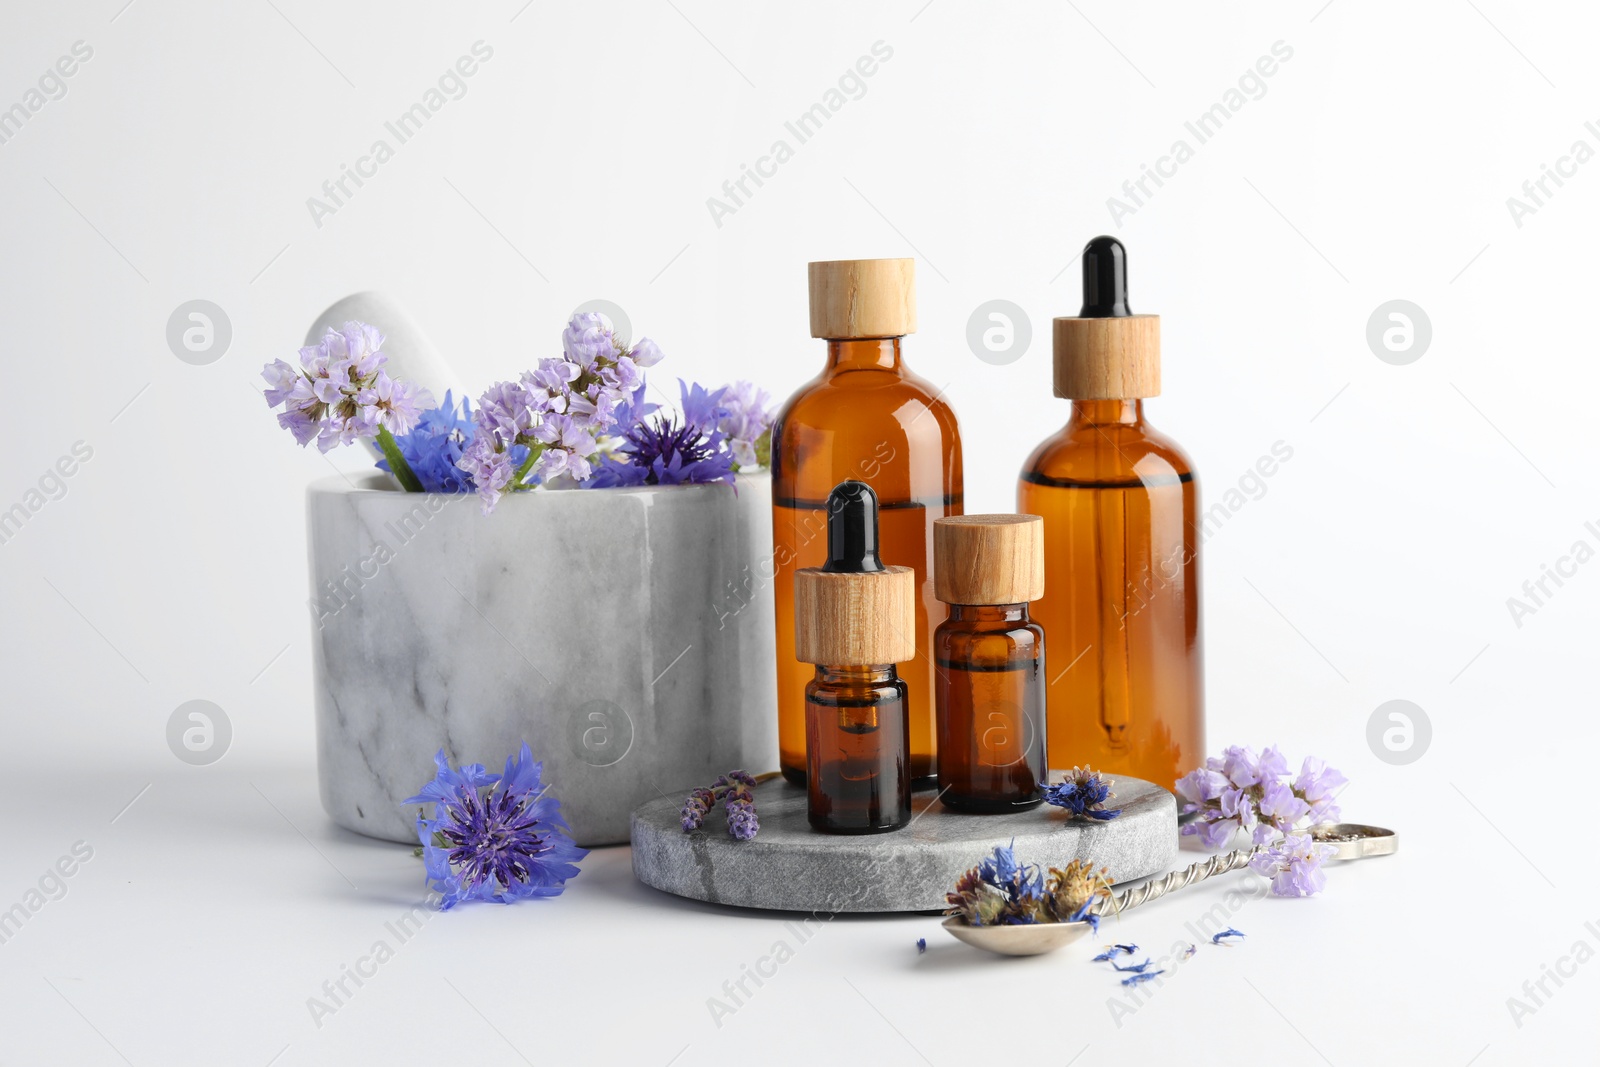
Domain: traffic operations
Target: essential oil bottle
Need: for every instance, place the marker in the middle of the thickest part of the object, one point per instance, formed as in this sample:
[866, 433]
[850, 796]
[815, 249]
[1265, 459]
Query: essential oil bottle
[990, 664]
[1120, 508]
[854, 619]
[867, 418]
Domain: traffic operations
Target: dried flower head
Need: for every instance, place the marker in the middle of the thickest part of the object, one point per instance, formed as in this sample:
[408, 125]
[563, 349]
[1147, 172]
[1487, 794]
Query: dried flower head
[1070, 890]
[999, 891]
[1083, 792]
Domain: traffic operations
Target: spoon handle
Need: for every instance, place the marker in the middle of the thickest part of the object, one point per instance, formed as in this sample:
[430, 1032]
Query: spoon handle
[1175, 880]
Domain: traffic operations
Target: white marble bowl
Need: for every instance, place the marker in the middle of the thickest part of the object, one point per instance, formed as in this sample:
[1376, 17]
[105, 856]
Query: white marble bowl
[625, 634]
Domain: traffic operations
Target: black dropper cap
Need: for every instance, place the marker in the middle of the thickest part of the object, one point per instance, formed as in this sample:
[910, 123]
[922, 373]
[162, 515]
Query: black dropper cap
[1105, 280]
[853, 530]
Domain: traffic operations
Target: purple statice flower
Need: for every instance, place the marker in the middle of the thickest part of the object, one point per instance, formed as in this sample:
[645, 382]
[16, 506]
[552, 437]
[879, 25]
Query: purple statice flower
[434, 447]
[341, 393]
[1294, 864]
[1317, 784]
[494, 837]
[1241, 790]
[1083, 793]
[747, 423]
[735, 790]
[1280, 810]
[556, 417]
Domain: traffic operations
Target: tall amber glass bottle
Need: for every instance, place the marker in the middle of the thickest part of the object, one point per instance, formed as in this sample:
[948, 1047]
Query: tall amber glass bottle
[865, 417]
[1120, 509]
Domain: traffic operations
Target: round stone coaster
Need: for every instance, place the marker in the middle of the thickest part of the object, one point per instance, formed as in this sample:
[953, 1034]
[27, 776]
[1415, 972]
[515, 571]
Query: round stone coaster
[790, 867]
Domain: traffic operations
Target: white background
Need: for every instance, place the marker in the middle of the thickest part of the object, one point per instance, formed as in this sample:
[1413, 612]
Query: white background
[1375, 566]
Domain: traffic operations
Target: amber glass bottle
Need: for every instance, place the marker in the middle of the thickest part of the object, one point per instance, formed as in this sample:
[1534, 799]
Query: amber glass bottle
[865, 417]
[1120, 509]
[853, 619]
[990, 678]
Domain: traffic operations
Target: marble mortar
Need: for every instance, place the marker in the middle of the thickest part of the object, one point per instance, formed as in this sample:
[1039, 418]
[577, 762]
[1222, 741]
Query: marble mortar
[625, 634]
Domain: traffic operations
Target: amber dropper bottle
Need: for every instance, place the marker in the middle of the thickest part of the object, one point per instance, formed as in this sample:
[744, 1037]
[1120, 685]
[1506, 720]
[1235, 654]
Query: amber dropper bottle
[853, 619]
[989, 655]
[1120, 508]
[867, 418]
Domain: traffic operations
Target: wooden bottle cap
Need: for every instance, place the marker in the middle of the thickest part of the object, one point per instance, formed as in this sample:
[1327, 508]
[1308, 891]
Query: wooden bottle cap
[1108, 359]
[855, 619]
[988, 559]
[855, 298]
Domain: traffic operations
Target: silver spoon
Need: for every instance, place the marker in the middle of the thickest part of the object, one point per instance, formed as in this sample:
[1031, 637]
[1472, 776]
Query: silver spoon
[1352, 841]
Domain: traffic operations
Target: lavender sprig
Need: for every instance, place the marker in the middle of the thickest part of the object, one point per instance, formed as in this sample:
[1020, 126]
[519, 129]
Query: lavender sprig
[735, 792]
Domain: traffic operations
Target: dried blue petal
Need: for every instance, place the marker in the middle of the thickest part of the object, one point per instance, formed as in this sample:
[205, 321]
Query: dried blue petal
[1190, 951]
[922, 945]
[1115, 950]
[1229, 932]
[1142, 976]
[1137, 968]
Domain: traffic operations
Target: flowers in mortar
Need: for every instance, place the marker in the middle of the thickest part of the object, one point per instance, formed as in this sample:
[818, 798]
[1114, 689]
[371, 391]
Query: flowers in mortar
[434, 447]
[1240, 790]
[1083, 793]
[733, 791]
[494, 837]
[560, 411]
[340, 392]
[1000, 891]
[580, 418]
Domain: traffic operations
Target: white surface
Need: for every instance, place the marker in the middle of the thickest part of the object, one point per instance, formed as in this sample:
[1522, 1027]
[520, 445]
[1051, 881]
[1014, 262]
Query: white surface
[1375, 566]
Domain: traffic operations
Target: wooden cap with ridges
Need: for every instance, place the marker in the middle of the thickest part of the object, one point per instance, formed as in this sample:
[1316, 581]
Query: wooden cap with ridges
[988, 559]
[856, 298]
[1108, 358]
[855, 619]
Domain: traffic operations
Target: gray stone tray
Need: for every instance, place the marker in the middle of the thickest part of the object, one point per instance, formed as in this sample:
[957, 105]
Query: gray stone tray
[790, 867]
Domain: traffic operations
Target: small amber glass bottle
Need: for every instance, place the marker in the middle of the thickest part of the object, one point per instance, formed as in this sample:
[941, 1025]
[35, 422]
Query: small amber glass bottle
[853, 619]
[868, 418]
[989, 662]
[1122, 570]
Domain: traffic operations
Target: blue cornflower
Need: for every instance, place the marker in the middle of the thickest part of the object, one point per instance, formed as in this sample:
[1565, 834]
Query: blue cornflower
[432, 448]
[1082, 792]
[1229, 932]
[1142, 976]
[922, 945]
[1136, 968]
[497, 837]
[666, 451]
